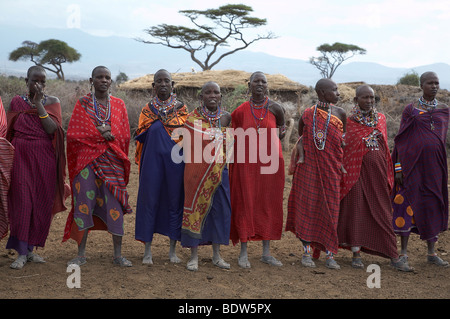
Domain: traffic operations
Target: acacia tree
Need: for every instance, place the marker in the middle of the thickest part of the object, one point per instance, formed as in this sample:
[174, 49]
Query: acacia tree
[333, 56]
[227, 24]
[49, 52]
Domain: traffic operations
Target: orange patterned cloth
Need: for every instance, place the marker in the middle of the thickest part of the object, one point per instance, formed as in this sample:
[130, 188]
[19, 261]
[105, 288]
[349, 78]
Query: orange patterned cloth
[149, 115]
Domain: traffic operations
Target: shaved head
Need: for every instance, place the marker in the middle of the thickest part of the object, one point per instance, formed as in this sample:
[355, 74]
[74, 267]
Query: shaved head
[327, 91]
[208, 84]
[324, 84]
[160, 72]
[427, 75]
[362, 89]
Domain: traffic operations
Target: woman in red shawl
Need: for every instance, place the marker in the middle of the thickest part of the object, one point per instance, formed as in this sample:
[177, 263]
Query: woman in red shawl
[257, 185]
[37, 184]
[313, 206]
[365, 219]
[420, 197]
[98, 139]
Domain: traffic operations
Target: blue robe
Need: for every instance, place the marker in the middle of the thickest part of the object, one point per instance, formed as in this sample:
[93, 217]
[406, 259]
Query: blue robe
[161, 188]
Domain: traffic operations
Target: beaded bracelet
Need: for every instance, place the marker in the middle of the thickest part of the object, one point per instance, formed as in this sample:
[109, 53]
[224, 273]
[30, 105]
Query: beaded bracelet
[44, 116]
[397, 167]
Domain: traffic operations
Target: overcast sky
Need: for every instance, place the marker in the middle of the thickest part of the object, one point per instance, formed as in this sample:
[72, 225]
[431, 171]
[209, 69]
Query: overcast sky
[397, 33]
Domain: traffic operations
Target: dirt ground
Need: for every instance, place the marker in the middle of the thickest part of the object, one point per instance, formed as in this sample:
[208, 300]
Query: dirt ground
[164, 280]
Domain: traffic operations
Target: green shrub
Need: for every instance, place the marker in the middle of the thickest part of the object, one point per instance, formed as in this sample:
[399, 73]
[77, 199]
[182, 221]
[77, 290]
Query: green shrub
[410, 78]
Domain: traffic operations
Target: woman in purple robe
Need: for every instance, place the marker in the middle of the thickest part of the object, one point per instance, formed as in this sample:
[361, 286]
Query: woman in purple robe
[420, 196]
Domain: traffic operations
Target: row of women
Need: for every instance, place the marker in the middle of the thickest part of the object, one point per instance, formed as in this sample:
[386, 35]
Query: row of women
[348, 190]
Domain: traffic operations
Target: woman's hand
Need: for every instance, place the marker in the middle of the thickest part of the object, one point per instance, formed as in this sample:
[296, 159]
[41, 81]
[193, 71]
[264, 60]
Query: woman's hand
[38, 93]
[105, 131]
[300, 151]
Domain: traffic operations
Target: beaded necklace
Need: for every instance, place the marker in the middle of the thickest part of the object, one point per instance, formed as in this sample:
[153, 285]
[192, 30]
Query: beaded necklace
[212, 117]
[215, 131]
[320, 136]
[165, 107]
[428, 106]
[263, 107]
[101, 120]
[27, 98]
[370, 119]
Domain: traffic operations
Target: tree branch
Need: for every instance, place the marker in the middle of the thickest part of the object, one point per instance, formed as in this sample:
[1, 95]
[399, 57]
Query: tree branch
[230, 18]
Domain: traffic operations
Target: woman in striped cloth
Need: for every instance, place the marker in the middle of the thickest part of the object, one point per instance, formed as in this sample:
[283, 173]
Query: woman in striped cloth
[6, 161]
[98, 139]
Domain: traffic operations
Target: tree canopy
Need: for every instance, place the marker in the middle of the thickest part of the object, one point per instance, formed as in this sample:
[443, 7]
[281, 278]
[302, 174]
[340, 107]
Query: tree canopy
[226, 25]
[333, 56]
[50, 54]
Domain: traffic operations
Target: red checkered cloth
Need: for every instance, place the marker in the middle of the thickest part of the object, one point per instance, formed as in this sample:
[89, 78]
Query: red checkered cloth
[355, 150]
[365, 218]
[313, 206]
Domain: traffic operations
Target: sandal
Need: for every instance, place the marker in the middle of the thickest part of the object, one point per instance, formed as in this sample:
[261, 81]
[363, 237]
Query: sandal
[79, 261]
[402, 265]
[332, 264]
[307, 261]
[19, 262]
[221, 264]
[435, 259]
[192, 265]
[243, 262]
[122, 262]
[271, 261]
[357, 262]
[35, 258]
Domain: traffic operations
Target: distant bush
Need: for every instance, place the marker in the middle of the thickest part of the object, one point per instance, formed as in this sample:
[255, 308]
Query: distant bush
[121, 77]
[410, 78]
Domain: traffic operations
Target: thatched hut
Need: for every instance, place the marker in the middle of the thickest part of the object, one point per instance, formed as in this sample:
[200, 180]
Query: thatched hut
[189, 84]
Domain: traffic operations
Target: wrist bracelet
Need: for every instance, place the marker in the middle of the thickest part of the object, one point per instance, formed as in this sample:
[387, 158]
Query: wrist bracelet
[43, 116]
[397, 167]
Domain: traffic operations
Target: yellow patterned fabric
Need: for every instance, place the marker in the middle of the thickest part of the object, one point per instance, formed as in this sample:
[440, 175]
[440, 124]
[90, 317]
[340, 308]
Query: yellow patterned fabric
[202, 176]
